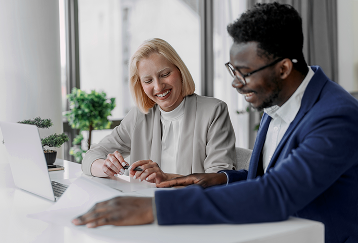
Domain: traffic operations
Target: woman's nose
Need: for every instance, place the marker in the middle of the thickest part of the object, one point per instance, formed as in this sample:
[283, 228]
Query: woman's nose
[158, 86]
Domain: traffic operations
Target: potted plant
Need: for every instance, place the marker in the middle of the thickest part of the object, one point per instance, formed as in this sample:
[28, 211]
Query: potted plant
[88, 112]
[54, 140]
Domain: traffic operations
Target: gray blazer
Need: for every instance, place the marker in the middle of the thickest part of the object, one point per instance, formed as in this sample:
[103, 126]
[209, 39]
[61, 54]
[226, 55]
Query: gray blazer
[207, 142]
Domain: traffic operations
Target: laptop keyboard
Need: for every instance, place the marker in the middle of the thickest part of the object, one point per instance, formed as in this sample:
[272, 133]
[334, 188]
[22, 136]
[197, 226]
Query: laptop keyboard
[58, 188]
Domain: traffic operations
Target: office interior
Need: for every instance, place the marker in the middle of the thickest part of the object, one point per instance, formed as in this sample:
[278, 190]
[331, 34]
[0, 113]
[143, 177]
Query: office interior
[47, 47]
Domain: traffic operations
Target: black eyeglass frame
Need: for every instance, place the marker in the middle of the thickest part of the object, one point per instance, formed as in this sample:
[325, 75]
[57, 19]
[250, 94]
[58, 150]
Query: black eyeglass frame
[242, 79]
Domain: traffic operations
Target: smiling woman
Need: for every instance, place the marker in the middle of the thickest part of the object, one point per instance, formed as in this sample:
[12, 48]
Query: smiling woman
[172, 131]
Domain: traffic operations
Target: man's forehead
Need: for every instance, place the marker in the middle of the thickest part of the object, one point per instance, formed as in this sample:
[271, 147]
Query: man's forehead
[243, 52]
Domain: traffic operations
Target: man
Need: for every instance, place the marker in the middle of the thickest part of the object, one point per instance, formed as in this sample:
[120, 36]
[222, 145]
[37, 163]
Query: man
[305, 159]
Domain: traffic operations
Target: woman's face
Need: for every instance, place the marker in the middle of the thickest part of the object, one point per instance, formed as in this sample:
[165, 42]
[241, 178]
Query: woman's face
[161, 81]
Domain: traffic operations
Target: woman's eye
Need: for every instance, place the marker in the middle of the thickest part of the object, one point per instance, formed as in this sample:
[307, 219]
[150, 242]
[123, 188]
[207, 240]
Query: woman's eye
[166, 74]
[148, 81]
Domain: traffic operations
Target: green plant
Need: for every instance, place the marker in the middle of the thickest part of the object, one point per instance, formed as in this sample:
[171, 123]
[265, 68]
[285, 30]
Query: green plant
[54, 140]
[88, 112]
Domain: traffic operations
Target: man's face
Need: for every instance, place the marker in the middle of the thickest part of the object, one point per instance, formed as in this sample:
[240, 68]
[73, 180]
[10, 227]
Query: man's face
[264, 88]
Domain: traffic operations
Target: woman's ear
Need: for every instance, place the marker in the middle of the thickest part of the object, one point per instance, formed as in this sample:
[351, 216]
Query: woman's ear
[285, 68]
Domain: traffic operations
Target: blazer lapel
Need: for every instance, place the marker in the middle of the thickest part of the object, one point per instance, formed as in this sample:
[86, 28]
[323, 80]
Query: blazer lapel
[259, 142]
[185, 147]
[156, 150]
[309, 98]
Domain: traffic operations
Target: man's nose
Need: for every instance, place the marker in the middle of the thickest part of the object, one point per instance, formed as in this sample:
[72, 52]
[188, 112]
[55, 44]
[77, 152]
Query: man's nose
[237, 84]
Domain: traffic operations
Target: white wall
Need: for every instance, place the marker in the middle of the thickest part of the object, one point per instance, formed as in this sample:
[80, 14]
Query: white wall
[30, 78]
[348, 44]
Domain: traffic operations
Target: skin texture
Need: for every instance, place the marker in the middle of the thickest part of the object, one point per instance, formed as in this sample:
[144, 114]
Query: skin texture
[118, 211]
[268, 87]
[157, 76]
[151, 172]
[271, 86]
[202, 179]
[112, 165]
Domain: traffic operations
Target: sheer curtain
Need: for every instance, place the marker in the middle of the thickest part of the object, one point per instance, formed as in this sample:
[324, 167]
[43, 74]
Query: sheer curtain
[225, 12]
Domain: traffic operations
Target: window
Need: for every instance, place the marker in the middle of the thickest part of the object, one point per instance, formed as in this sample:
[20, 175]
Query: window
[225, 12]
[111, 30]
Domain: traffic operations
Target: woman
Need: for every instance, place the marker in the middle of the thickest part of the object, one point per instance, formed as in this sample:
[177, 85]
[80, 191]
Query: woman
[172, 131]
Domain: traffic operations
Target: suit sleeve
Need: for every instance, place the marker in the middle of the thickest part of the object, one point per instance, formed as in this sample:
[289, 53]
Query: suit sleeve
[325, 150]
[119, 139]
[220, 145]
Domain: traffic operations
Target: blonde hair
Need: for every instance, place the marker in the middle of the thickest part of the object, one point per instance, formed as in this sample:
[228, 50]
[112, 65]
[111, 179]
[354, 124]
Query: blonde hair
[161, 47]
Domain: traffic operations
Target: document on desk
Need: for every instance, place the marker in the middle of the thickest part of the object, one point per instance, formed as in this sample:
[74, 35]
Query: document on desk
[81, 195]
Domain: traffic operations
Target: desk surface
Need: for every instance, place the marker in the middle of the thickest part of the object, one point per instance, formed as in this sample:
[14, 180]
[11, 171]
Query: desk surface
[15, 226]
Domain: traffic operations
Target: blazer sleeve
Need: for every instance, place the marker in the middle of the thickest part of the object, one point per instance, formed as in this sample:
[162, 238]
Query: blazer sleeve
[325, 152]
[119, 139]
[220, 144]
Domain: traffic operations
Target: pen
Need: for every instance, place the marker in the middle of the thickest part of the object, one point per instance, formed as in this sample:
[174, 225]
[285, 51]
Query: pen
[135, 169]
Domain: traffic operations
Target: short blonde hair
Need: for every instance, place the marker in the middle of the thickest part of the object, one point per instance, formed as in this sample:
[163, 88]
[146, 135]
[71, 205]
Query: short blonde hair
[161, 47]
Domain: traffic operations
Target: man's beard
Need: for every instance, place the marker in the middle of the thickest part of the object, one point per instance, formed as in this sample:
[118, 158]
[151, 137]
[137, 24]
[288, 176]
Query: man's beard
[272, 99]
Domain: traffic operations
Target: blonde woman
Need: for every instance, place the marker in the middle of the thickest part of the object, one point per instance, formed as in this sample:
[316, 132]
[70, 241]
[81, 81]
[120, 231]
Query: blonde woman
[172, 131]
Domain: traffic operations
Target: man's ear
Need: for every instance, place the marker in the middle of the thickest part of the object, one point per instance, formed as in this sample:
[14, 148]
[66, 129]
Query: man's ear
[286, 67]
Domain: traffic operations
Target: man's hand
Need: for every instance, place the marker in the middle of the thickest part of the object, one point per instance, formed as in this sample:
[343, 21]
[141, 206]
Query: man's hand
[203, 179]
[118, 211]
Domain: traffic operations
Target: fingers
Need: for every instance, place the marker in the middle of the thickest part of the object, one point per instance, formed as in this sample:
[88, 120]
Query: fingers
[180, 181]
[150, 171]
[113, 164]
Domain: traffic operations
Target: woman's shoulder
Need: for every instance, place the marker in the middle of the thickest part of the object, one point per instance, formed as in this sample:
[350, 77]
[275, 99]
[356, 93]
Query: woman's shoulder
[135, 115]
[204, 102]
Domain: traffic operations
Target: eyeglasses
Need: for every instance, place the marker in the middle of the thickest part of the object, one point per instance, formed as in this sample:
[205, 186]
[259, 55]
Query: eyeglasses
[241, 77]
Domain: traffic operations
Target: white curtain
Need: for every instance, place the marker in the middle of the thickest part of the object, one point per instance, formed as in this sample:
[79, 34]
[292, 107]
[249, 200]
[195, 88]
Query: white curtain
[225, 12]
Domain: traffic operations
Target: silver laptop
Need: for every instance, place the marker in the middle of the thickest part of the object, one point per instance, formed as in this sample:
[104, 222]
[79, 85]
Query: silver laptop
[27, 160]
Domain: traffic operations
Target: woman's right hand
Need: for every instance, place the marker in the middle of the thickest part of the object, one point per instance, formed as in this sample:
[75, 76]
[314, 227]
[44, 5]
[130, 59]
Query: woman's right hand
[111, 166]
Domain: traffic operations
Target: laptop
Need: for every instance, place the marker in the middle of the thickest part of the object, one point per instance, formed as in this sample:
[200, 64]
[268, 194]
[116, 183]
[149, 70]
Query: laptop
[27, 161]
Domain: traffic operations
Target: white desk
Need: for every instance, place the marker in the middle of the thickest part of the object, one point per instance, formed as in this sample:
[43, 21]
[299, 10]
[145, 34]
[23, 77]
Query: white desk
[15, 226]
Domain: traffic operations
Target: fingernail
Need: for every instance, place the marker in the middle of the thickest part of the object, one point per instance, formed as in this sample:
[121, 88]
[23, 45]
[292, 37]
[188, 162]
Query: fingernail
[123, 163]
[146, 178]
[140, 180]
[122, 170]
[129, 167]
[90, 225]
[134, 177]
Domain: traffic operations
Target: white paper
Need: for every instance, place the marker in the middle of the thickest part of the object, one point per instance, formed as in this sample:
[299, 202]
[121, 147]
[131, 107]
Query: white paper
[85, 192]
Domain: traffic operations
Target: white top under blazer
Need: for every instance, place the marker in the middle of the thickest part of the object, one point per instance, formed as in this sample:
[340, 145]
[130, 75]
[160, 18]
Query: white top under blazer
[207, 140]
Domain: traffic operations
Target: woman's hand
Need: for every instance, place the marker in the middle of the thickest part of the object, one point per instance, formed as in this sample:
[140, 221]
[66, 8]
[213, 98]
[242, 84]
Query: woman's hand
[151, 172]
[111, 166]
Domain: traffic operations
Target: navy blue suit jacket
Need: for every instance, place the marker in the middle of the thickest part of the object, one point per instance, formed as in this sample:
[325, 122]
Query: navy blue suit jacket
[313, 173]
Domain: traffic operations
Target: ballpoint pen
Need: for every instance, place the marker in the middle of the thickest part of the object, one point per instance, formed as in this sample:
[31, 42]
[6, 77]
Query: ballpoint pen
[135, 169]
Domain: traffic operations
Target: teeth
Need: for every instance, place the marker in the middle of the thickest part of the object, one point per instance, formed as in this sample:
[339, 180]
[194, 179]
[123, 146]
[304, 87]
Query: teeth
[164, 94]
[249, 94]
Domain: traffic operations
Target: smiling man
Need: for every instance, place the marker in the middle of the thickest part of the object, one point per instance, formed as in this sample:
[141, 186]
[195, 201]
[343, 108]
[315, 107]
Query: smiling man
[305, 158]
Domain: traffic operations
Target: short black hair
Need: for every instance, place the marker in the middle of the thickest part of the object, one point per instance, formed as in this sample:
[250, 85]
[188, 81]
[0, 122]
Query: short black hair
[276, 27]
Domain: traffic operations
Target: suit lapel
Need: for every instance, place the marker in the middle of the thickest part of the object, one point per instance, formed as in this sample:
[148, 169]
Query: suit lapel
[309, 98]
[185, 147]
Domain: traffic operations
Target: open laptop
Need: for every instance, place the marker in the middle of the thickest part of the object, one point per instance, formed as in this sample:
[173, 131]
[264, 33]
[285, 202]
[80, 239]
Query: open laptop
[27, 160]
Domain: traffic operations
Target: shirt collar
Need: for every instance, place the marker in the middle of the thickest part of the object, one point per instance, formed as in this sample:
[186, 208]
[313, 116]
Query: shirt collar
[290, 108]
[174, 114]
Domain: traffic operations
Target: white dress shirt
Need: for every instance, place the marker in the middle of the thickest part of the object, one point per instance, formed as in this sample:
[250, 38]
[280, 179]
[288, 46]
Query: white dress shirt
[282, 118]
[171, 129]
